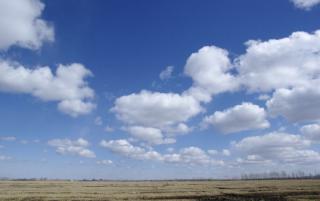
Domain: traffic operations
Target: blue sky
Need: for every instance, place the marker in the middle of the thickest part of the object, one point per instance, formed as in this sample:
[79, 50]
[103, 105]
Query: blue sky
[158, 89]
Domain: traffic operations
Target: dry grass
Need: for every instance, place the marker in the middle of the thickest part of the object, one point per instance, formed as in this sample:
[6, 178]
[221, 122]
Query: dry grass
[281, 190]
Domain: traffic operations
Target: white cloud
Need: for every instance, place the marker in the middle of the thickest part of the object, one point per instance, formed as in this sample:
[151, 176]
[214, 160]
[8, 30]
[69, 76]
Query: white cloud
[179, 129]
[166, 73]
[3, 158]
[77, 147]
[278, 148]
[212, 152]
[125, 148]
[67, 85]
[264, 97]
[311, 132]
[21, 25]
[149, 134]
[305, 4]
[266, 63]
[189, 155]
[8, 138]
[155, 109]
[210, 69]
[296, 104]
[105, 162]
[246, 116]
[226, 152]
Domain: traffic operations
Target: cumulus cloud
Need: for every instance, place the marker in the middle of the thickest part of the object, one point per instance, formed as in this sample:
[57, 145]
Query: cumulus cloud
[21, 24]
[166, 73]
[311, 132]
[265, 63]
[189, 155]
[72, 147]
[298, 104]
[155, 109]
[246, 116]
[149, 134]
[277, 148]
[210, 69]
[259, 70]
[125, 148]
[226, 152]
[67, 85]
[305, 4]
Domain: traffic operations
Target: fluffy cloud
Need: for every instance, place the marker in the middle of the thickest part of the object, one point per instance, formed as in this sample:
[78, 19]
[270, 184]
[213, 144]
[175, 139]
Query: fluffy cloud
[77, 147]
[189, 155]
[265, 64]
[311, 132]
[246, 116]
[305, 4]
[125, 148]
[21, 25]
[278, 148]
[296, 104]
[67, 85]
[166, 73]
[209, 69]
[155, 109]
[149, 134]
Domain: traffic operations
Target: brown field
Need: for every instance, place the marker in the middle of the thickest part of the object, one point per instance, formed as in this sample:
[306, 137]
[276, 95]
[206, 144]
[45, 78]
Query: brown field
[264, 190]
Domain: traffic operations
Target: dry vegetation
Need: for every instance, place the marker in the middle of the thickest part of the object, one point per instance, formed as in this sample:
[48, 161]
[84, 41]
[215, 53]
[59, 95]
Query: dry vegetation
[264, 190]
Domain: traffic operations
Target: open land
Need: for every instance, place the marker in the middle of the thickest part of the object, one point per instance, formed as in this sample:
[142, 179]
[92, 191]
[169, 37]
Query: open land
[257, 190]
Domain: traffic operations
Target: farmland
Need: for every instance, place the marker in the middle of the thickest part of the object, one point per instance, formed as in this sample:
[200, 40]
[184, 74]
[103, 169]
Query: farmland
[259, 190]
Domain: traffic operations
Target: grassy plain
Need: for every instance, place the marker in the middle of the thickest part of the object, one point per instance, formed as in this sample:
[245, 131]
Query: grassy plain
[263, 190]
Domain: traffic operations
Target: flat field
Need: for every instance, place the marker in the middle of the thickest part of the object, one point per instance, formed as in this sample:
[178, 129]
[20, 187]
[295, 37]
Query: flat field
[262, 190]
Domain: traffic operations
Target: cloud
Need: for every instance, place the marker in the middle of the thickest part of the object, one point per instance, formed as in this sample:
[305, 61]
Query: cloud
[77, 147]
[226, 152]
[67, 85]
[311, 132]
[105, 162]
[298, 104]
[149, 134]
[305, 4]
[123, 147]
[166, 73]
[210, 69]
[189, 155]
[21, 25]
[265, 63]
[155, 109]
[246, 116]
[8, 138]
[4, 158]
[277, 148]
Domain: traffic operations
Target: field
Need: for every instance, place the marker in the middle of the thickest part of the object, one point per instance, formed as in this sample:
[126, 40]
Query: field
[264, 190]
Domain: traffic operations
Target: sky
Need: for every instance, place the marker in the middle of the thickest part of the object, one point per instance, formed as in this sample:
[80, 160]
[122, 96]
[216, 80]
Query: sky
[158, 89]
